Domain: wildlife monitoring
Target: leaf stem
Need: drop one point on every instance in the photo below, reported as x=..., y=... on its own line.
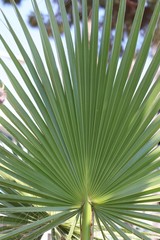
x=87, y=222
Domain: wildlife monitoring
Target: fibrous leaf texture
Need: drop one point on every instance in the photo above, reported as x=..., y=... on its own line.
x=85, y=130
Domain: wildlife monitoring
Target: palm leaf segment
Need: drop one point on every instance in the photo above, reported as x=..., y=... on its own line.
x=87, y=130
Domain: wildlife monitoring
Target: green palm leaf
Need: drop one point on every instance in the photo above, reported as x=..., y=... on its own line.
x=87, y=131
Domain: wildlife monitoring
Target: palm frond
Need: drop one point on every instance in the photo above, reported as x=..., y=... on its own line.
x=86, y=130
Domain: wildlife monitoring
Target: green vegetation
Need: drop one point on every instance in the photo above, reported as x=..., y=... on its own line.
x=85, y=147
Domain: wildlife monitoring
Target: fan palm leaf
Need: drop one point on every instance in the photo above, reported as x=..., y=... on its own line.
x=87, y=130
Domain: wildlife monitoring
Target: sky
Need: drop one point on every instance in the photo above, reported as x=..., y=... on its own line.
x=25, y=8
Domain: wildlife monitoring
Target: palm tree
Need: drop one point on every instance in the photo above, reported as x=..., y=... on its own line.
x=87, y=131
